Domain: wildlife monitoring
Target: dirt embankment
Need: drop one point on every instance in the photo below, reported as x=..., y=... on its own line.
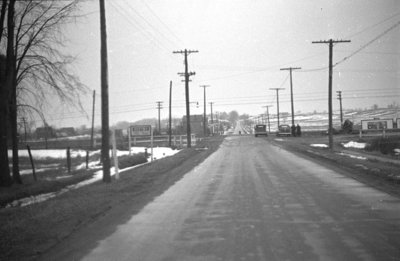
x=28, y=232
x=372, y=168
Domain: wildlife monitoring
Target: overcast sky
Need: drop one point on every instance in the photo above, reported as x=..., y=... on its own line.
x=242, y=46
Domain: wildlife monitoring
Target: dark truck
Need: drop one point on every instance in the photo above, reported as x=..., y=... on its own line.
x=260, y=129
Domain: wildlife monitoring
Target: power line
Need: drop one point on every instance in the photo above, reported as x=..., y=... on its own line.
x=149, y=24
x=368, y=43
x=159, y=19
x=130, y=19
x=374, y=25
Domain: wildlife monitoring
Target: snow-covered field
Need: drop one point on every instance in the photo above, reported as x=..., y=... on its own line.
x=158, y=153
x=319, y=121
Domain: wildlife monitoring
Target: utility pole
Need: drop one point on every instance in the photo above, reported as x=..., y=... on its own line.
x=187, y=74
x=277, y=101
x=269, y=125
x=159, y=107
x=212, y=119
x=204, y=114
x=105, y=131
x=339, y=94
x=92, y=134
x=330, y=42
x=170, y=114
x=290, y=69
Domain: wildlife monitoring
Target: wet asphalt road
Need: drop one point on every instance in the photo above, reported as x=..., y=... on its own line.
x=253, y=201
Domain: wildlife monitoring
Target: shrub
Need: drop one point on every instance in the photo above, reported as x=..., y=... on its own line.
x=129, y=161
x=384, y=145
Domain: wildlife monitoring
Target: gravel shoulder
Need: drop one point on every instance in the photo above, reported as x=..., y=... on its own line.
x=36, y=231
x=372, y=168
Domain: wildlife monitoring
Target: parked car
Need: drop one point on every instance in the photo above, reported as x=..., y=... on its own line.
x=260, y=129
x=284, y=130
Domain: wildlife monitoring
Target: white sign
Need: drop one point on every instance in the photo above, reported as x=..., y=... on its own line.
x=140, y=130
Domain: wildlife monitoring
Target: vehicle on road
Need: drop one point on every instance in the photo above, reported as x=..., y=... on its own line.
x=284, y=130
x=260, y=129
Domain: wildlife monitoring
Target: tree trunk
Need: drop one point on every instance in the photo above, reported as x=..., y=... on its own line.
x=5, y=177
x=14, y=136
x=12, y=88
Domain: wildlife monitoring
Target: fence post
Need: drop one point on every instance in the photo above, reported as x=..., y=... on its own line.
x=69, y=159
x=115, y=156
x=87, y=159
x=33, y=165
x=180, y=141
x=384, y=133
x=129, y=140
x=360, y=133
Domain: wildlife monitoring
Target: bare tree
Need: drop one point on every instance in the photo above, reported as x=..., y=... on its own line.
x=37, y=70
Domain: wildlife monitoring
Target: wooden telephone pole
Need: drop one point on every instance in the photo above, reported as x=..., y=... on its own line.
x=170, y=114
x=187, y=74
x=290, y=69
x=105, y=132
x=330, y=42
x=277, y=101
x=269, y=125
x=339, y=94
x=159, y=107
x=204, y=114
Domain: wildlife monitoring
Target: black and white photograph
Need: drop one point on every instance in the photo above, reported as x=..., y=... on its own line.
x=199, y=130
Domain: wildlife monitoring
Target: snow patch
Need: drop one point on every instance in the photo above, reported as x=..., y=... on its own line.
x=54, y=154
x=319, y=145
x=353, y=144
x=352, y=156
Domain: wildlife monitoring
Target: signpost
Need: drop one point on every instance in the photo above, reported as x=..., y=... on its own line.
x=141, y=130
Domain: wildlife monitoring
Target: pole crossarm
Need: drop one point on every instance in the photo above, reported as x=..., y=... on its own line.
x=290, y=68
x=330, y=41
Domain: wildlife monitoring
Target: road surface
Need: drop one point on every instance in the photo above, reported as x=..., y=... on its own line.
x=253, y=201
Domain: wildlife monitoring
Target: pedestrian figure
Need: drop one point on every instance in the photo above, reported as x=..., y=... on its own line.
x=293, y=131
x=298, y=130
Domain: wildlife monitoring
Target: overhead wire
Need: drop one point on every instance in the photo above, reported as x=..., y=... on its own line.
x=368, y=43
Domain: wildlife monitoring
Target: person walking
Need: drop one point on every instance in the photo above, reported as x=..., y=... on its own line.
x=298, y=130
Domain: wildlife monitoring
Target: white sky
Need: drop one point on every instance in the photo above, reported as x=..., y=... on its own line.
x=242, y=45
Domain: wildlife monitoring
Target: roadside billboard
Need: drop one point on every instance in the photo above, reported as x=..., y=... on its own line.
x=140, y=130
x=377, y=124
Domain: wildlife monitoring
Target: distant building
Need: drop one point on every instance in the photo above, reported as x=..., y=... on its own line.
x=196, y=124
x=45, y=133
x=66, y=132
